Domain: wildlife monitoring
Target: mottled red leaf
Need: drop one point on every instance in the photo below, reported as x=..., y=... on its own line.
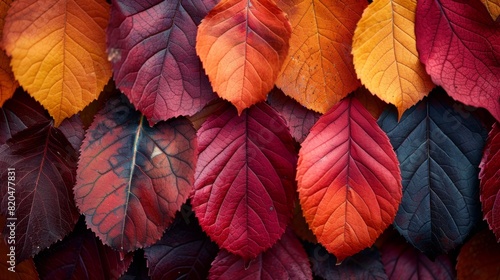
x=18, y=113
x=244, y=187
x=81, y=255
x=490, y=181
x=403, y=261
x=131, y=178
x=299, y=119
x=459, y=43
x=285, y=260
x=478, y=258
x=348, y=179
x=152, y=47
x=363, y=265
x=41, y=187
x=184, y=252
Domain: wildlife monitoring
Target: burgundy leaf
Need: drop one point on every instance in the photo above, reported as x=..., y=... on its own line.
x=81, y=256
x=244, y=186
x=132, y=178
x=41, y=187
x=183, y=252
x=72, y=128
x=285, y=260
x=152, y=48
x=478, y=258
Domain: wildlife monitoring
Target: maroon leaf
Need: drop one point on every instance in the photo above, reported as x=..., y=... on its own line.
x=73, y=130
x=18, y=113
x=298, y=118
x=152, y=48
x=458, y=42
x=490, y=181
x=184, y=252
x=402, y=261
x=244, y=186
x=478, y=258
x=40, y=187
x=285, y=260
x=81, y=256
x=131, y=177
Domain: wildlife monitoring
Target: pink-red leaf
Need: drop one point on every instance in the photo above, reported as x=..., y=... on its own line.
x=45, y=165
x=348, y=178
x=242, y=45
x=478, y=258
x=244, y=188
x=285, y=260
x=131, y=178
x=459, y=44
x=490, y=181
x=152, y=47
x=81, y=255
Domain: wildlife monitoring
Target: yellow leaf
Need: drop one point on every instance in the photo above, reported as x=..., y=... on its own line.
x=7, y=82
x=385, y=53
x=58, y=50
x=318, y=71
x=493, y=7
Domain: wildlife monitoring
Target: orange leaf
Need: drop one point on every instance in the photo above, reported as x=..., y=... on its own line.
x=385, y=53
x=493, y=7
x=318, y=71
x=8, y=83
x=242, y=45
x=58, y=51
x=4, y=7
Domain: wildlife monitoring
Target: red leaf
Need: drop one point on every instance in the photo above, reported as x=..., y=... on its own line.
x=478, y=258
x=348, y=178
x=298, y=118
x=45, y=164
x=244, y=188
x=18, y=113
x=490, y=181
x=184, y=252
x=402, y=261
x=285, y=260
x=81, y=256
x=132, y=178
x=152, y=47
x=458, y=42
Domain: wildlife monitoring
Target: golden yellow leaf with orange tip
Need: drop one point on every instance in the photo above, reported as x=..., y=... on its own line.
x=385, y=53
x=318, y=71
x=493, y=7
x=8, y=83
x=58, y=51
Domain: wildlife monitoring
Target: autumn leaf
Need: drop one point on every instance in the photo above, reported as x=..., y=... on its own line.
x=348, y=179
x=318, y=71
x=140, y=174
x=58, y=51
x=493, y=7
x=478, y=258
x=152, y=48
x=490, y=181
x=244, y=187
x=44, y=164
x=458, y=42
x=371, y=102
x=439, y=148
x=385, y=53
x=242, y=45
x=4, y=7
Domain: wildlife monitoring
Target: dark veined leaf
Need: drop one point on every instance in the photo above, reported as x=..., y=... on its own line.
x=403, y=261
x=478, y=258
x=439, y=147
x=244, y=187
x=348, y=179
x=184, y=252
x=138, y=269
x=81, y=255
x=457, y=40
x=363, y=265
x=42, y=173
x=132, y=178
x=490, y=181
x=152, y=47
x=285, y=260
x=72, y=128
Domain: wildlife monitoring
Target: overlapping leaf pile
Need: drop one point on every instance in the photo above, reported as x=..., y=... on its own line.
x=250, y=138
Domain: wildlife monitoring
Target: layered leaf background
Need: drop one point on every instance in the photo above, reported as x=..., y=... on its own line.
x=252, y=139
